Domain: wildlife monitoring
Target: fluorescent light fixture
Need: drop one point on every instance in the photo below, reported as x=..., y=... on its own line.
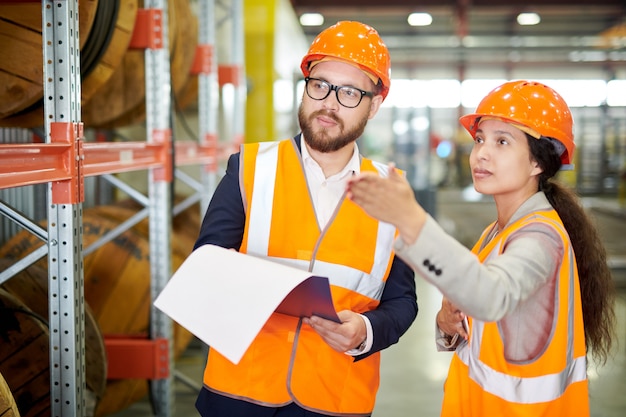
x=407, y=93
x=616, y=93
x=473, y=91
x=420, y=19
x=442, y=93
x=400, y=127
x=528, y=19
x=311, y=19
x=420, y=123
x=580, y=93
x=450, y=94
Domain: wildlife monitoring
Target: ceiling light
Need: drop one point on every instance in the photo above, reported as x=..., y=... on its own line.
x=528, y=19
x=420, y=19
x=311, y=19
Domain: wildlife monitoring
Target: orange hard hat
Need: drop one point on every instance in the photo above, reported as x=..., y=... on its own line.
x=355, y=43
x=533, y=107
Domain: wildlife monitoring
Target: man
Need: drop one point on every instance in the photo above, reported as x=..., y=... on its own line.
x=285, y=201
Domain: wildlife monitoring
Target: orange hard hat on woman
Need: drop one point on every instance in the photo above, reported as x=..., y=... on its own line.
x=533, y=107
x=355, y=43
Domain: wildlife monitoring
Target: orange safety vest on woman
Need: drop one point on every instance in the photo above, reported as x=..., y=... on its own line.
x=482, y=383
x=288, y=361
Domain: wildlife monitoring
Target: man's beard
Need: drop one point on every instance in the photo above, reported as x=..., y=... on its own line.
x=320, y=140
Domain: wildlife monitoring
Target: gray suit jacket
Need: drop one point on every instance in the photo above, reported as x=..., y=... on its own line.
x=515, y=288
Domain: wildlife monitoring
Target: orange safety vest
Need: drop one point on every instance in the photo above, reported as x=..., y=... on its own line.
x=482, y=383
x=288, y=361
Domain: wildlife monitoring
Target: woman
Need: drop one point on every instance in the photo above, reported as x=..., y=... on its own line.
x=536, y=287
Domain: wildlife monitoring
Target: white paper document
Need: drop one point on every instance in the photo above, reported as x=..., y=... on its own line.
x=224, y=297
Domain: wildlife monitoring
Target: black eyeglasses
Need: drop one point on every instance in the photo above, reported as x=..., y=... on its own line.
x=349, y=97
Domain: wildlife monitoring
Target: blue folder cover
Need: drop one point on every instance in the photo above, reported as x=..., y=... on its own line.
x=310, y=297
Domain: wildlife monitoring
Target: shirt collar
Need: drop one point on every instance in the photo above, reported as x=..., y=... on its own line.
x=352, y=167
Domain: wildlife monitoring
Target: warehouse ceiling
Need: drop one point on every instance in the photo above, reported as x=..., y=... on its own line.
x=482, y=33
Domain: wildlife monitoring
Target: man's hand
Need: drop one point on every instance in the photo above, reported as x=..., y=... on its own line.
x=341, y=337
x=450, y=319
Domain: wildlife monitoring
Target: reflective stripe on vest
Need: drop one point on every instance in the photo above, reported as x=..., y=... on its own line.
x=528, y=390
x=368, y=284
x=263, y=196
x=343, y=276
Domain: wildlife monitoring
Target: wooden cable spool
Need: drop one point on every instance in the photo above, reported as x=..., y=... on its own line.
x=30, y=286
x=8, y=408
x=105, y=30
x=117, y=283
x=25, y=356
x=21, y=52
x=121, y=100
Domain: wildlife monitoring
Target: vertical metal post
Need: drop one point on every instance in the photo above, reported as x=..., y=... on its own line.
x=239, y=60
x=158, y=110
x=208, y=99
x=603, y=156
x=61, y=63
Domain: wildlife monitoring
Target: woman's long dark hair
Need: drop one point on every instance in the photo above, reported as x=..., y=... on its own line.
x=597, y=289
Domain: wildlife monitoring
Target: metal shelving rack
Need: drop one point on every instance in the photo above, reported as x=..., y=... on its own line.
x=64, y=160
x=61, y=56
x=158, y=131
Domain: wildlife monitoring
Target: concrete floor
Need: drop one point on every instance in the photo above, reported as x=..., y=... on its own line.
x=412, y=371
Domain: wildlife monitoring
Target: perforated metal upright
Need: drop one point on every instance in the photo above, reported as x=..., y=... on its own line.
x=208, y=96
x=61, y=62
x=238, y=54
x=158, y=130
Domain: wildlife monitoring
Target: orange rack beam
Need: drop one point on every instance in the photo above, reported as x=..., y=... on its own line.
x=114, y=157
x=27, y=164
x=190, y=153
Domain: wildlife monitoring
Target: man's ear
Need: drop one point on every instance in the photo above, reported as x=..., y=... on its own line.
x=375, y=104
